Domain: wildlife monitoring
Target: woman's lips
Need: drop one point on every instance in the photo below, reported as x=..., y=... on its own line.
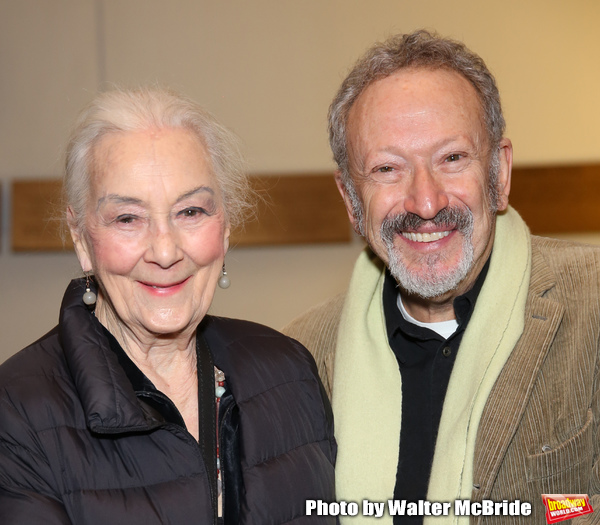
x=164, y=289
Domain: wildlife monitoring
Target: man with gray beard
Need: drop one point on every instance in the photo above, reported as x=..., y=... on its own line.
x=438, y=283
x=463, y=360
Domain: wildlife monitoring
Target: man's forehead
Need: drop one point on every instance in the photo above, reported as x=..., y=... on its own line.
x=404, y=96
x=409, y=84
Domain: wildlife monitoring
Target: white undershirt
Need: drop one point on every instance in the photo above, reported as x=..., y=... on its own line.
x=443, y=328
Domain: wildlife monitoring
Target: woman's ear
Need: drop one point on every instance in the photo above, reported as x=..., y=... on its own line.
x=226, y=239
x=79, y=242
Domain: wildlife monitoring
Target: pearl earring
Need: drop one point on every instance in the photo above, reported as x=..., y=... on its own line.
x=89, y=297
x=224, y=281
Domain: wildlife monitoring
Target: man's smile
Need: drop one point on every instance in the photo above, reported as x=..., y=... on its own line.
x=426, y=237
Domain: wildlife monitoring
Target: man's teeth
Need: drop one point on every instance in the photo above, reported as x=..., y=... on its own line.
x=426, y=237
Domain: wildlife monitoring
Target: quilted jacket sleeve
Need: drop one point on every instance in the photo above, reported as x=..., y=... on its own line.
x=18, y=506
x=25, y=475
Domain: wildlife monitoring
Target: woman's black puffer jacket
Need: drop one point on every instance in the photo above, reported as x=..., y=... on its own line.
x=77, y=446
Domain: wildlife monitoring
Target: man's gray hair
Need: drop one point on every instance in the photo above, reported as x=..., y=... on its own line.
x=131, y=110
x=420, y=49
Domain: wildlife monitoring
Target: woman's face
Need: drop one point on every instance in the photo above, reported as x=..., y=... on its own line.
x=155, y=232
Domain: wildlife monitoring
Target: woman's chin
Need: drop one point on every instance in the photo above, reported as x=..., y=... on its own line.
x=165, y=325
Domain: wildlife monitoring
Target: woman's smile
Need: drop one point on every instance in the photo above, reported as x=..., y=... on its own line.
x=164, y=289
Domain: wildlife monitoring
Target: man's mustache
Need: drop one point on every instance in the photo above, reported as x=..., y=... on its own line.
x=452, y=217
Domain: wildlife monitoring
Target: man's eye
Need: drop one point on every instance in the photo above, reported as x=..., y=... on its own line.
x=454, y=157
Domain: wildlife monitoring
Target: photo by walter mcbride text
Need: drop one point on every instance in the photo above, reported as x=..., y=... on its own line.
x=418, y=508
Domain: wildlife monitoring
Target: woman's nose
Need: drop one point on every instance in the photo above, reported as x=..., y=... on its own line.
x=164, y=247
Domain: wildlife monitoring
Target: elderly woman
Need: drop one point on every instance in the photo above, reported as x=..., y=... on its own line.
x=139, y=407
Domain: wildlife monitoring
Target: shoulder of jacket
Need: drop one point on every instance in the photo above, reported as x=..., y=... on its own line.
x=562, y=248
x=566, y=256
x=232, y=330
x=563, y=269
x=232, y=340
x=319, y=325
x=43, y=358
x=317, y=329
x=35, y=387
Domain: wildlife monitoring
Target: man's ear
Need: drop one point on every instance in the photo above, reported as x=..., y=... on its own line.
x=79, y=242
x=347, y=200
x=505, y=156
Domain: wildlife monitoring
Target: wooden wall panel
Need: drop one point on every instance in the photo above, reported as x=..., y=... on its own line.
x=300, y=209
x=558, y=199
x=36, y=214
x=296, y=209
x=293, y=209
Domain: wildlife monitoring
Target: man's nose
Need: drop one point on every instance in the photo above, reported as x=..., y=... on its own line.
x=425, y=196
x=164, y=246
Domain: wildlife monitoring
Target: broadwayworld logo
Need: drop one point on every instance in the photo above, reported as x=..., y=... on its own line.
x=561, y=507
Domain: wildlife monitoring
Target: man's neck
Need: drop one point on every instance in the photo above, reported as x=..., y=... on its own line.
x=428, y=310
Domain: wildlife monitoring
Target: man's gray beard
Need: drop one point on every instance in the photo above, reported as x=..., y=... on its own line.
x=438, y=283
x=432, y=282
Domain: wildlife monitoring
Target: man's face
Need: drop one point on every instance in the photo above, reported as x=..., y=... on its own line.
x=420, y=161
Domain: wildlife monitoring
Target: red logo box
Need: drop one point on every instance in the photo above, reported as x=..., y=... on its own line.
x=560, y=507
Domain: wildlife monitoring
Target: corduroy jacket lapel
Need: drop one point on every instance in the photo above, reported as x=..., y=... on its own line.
x=508, y=399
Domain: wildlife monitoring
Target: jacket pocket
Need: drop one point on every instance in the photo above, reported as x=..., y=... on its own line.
x=576, y=453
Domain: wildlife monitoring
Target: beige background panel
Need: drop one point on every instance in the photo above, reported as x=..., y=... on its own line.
x=266, y=68
x=49, y=71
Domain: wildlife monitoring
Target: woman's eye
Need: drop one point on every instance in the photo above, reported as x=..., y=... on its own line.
x=454, y=157
x=125, y=219
x=191, y=212
x=385, y=169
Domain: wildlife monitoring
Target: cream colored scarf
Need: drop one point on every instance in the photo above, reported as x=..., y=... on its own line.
x=367, y=389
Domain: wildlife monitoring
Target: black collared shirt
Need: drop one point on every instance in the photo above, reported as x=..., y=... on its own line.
x=425, y=360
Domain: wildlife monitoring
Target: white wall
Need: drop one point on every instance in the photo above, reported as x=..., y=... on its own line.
x=268, y=69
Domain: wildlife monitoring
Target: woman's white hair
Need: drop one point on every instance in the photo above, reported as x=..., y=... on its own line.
x=130, y=110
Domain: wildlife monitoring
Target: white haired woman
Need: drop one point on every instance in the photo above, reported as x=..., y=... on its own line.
x=138, y=407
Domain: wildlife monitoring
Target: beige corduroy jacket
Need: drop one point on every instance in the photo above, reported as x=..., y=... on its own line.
x=540, y=429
